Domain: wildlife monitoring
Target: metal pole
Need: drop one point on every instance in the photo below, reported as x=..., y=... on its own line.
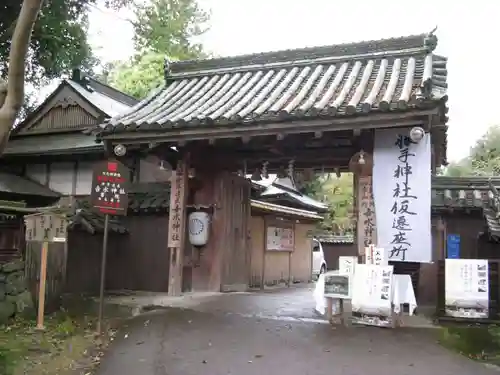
x=103, y=273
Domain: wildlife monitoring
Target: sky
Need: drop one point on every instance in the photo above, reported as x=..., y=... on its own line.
x=467, y=31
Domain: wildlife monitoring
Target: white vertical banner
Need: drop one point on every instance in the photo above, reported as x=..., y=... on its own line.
x=379, y=257
x=402, y=195
x=369, y=250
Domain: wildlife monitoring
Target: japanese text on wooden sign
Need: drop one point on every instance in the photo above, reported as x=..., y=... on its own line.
x=109, y=192
x=177, y=193
x=46, y=227
x=366, y=214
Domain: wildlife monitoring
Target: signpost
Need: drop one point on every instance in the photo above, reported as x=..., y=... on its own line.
x=45, y=228
x=109, y=196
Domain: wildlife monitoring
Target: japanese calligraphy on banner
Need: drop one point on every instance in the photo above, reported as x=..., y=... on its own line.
x=467, y=288
x=109, y=192
x=177, y=207
x=402, y=195
x=366, y=214
x=347, y=264
x=372, y=294
x=279, y=239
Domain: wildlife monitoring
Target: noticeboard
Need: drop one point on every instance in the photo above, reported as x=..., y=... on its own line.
x=110, y=183
x=46, y=227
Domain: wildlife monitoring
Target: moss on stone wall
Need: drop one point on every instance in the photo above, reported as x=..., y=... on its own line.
x=15, y=298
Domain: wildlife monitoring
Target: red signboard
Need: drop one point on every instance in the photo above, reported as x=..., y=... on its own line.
x=110, y=183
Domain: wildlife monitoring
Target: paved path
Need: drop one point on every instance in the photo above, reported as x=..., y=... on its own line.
x=272, y=333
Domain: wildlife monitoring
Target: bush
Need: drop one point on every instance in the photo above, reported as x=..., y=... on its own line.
x=474, y=342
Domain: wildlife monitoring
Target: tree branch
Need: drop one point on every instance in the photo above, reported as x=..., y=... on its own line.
x=3, y=92
x=13, y=99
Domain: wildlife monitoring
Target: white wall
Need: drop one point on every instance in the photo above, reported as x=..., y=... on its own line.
x=61, y=177
x=37, y=172
x=84, y=178
x=150, y=171
x=64, y=178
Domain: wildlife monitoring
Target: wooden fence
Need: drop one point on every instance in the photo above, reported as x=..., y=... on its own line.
x=56, y=271
x=494, y=295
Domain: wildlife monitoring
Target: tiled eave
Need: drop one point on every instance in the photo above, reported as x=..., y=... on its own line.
x=462, y=193
x=493, y=222
x=283, y=210
x=328, y=87
x=336, y=239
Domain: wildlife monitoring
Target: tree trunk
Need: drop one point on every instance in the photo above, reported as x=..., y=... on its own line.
x=12, y=90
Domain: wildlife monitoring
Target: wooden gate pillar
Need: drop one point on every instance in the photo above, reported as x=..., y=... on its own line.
x=177, y=225
x=361, y=165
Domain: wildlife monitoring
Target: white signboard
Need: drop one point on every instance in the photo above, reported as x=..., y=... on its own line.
x=320, y=299
x=379, y=258
x=466, y=288
x=402, y=195
x=347, y=264
x=337, y=285
x=371, y=295
x=375, y=255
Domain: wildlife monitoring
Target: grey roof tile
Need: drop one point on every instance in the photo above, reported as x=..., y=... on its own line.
x=273, y=191
x=105, y=103
x=342, y=80
x=462, y=192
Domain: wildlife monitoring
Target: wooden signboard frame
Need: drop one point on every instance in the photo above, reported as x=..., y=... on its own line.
x=45, y=227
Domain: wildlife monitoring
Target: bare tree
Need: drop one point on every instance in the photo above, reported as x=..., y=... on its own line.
x=12, y=89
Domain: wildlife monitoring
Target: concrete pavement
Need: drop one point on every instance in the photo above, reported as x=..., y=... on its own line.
x=272, y=333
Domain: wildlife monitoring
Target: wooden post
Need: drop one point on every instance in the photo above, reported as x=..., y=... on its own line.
x=289, y=269
x=177, y=225
x=343, y=320
x=41, y=290
x=329, y=309
x=264, y=253
x=363, y=198
x=102, y=284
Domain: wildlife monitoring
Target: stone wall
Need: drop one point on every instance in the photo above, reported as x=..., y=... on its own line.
x=15, y=298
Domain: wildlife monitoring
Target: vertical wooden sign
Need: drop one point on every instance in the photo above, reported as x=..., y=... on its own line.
x=367, y=233
x=177, y=225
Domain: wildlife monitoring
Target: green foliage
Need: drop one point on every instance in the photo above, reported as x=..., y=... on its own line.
x=164, y=29
x=337, y=193
x=475, y=342
x=483, y=159
x=139, y=76
x=59, y=40
x=169, y=27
